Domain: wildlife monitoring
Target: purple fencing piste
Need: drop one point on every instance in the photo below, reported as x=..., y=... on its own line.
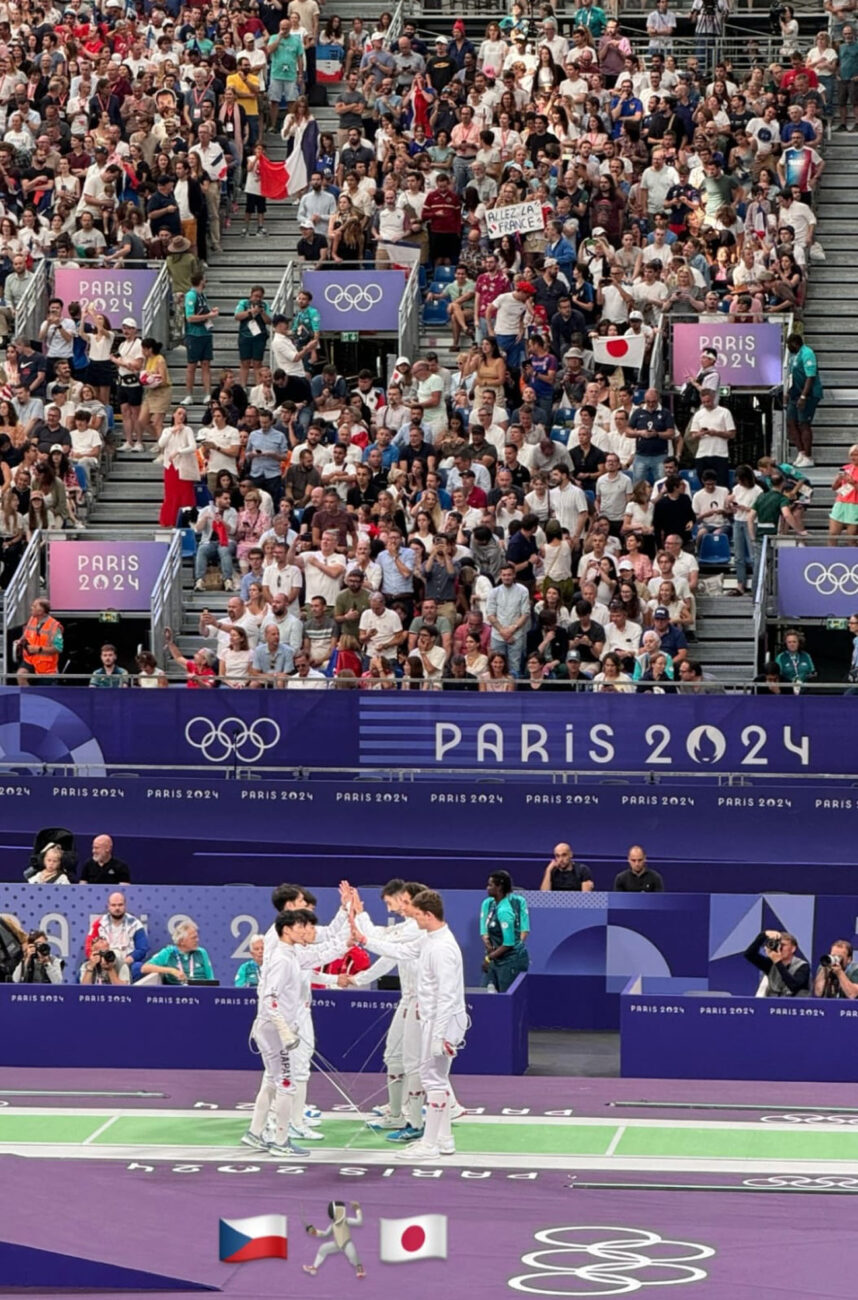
x=117, y=293
x=749, y=356
x=103, y=575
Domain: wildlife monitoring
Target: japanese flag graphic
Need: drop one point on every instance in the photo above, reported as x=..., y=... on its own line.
x=423, y=1237
x=620, y=350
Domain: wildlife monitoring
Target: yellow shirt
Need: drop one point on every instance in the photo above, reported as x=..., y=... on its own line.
x=246, y=91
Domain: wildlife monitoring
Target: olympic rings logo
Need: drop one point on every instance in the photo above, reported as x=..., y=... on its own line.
x=804, y=1183
x=832, y=579
x=232, y=738
x=353, y=297
x=810, y=1119
x=608, y=1267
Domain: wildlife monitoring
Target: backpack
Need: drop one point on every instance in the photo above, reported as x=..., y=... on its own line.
x=11, y=953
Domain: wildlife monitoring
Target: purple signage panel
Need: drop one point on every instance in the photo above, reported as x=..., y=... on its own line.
x=103, y=575
x=435, y=730
x=815, y=582
x=749, y=356
x=733, y=1038
x=356, y=300
x=117, y=294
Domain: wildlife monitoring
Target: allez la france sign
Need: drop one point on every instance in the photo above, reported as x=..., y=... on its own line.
x=749, y=356
x=103, y=575
x=517, y=219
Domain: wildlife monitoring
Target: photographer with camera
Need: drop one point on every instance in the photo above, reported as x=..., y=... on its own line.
x=836, y=977
x=37, y=964
x=102, y=966
x=787, y=974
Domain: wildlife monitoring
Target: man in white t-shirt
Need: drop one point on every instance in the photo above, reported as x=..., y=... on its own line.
x=685, y=569
x=223, y=444
x=765, y=133
x=568, y=504
x=86, y=443
x=614, y=298
x=430, y=396
x=791, y=212
x=505, y=322
x=380, y=629
x=708, y=505
x=237, y=615
x=655, y=182
x=431, y=654
x=282, y=578
x=613, y=489
x=340, y=472
x=622, y=637
x=324, y=571
x=713, y=426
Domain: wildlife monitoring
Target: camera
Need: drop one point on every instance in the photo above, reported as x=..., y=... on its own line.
x=108, y=956
x=43, y=949
x=829, y=959
x=771, y=944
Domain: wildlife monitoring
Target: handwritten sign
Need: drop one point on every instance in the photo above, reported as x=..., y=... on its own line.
x=517, y=219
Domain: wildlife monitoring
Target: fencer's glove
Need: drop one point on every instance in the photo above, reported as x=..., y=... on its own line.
x=289, y=1039
x=439, y=1047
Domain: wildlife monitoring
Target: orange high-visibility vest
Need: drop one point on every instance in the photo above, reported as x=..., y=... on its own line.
x=42, y=635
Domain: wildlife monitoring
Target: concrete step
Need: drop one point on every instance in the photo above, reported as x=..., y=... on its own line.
x=118, y=492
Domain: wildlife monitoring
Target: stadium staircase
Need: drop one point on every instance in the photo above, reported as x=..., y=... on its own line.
x=831, y=322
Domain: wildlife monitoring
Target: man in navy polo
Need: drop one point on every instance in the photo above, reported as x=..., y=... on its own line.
x=673, y=640
x=652, y=426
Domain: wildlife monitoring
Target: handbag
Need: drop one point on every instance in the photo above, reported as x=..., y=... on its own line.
x=212, y=580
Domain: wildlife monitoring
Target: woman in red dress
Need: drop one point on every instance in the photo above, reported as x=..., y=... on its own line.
x=178, y=447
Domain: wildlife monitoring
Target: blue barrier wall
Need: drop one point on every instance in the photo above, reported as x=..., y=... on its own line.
x=583, y=947
x=213, y=831
x=738, y=1038
x=208, y=1028
x=597, y=733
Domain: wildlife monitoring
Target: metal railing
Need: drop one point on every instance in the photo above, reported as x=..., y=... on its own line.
x=709, y=686
x=761, y=588
x=33, y=305
x=283, y=303
x=165, y=604
x=409, y=314
x=394, y=31
x=157, y=309
x=20, y=594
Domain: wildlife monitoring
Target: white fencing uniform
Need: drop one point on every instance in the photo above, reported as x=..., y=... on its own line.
x=278, y=1002
x=443, y=1022
x=331, y=942
x=341, y=1239
x=399, y=945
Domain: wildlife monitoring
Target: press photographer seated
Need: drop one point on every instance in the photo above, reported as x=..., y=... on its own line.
x=103, y=966
x=787, y=974
x=37, y=964
x=836, y=976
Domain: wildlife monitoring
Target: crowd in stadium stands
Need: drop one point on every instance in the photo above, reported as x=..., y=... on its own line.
x=526, y=518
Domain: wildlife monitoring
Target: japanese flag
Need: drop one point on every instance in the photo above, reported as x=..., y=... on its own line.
x=424, y=1237
x=620, y=350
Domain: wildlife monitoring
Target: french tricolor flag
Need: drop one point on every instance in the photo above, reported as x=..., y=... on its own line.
x=262, y=1237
